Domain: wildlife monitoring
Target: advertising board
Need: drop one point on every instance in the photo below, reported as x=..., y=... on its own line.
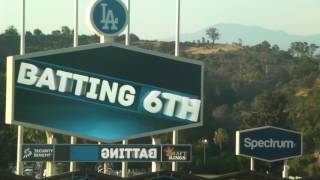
x=269, y=143
x=106, y=153
x=104, y=92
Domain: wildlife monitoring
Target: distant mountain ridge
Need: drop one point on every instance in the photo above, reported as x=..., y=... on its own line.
x=251, y=35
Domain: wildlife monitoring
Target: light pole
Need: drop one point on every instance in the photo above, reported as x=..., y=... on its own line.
x=204, y=142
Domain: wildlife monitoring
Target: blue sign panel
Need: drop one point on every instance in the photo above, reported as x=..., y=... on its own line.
x=104, y=92
x=269, y=143
x=108, y=17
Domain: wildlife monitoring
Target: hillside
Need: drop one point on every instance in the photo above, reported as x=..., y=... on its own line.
x=209, y=49
x=250, y=35
x=244, y=87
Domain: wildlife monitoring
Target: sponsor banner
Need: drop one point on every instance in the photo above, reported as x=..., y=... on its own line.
x=114, y=92
x=269, y=143
x=39, y=152
x=176, y=153
x=111, y=153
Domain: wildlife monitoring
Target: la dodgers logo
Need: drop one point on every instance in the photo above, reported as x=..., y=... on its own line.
x=108, y=18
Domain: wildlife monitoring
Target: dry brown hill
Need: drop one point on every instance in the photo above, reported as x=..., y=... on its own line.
x=208, y=49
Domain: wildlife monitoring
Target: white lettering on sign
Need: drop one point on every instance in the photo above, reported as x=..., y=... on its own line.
x=180, y=155
x=172, y=105
x=81, y=85
x=268, y=143
x=28, y=74
x=107, y=91
x=107, y=18
x=129, y=153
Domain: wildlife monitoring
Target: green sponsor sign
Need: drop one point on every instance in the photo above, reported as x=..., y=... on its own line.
x=104, y=92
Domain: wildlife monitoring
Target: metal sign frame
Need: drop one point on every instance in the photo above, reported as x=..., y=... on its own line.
x=266, y=127
x=10, y=89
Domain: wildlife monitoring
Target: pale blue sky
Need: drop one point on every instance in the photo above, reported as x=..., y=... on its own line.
x=154, y=19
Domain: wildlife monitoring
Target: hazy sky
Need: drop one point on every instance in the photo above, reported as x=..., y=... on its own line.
x=154, y=19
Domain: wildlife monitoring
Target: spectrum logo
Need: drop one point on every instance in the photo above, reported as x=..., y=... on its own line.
x=268, y=143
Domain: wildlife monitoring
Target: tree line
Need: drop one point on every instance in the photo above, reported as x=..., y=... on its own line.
x=253, y=86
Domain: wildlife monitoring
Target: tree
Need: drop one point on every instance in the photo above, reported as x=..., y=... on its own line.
x=213, y=34
x=56, y=33
x=203, y=40
x=65, y=30
x=312, y=49
x=28, y=34
x=302, y=49
x=268, y=109
x=37, y=32
x=11, y=31
x=220, y=137
x=121, y=38
x=275, y=48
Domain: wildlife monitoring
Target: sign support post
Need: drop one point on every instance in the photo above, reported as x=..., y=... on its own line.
x=19, y=170
x=106, y=39
x=128, y=25
x=73, y=139
x=23, y=25
x=19, y=165
x=285, y=172
x=124, y=164
x=155, y=166
x=104, y=164
x=175, y=134
x=177, y=43
x=73, y=166
x=76, y=24
x=175, y=137
x=251, y=164
x=49, y=164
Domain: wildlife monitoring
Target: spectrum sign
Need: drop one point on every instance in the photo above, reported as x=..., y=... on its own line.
x=269, y=143
x=104, y=92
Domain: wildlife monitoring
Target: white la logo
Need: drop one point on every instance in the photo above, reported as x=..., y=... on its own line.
x=108, y=18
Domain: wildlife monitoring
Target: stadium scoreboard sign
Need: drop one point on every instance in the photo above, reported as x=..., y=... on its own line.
x=104, y=92
x=269, y=143
x=106, y=153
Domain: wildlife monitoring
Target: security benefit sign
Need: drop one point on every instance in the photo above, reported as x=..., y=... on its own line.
x=104, y=92
x=269, y=143
x=106, y=153
x=40, y=152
